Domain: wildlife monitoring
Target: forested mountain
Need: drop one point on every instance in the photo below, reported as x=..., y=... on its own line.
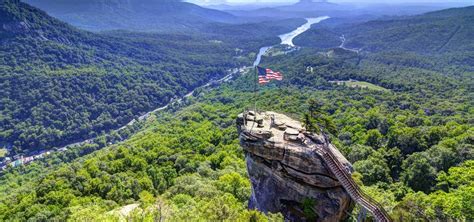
x=411, y=145
x=439, y=40
x=347, y=10
x=403, y=116
x=312, y=5
x=143, y=15
x=301, y=9
x=60, y=84
x=447, y=32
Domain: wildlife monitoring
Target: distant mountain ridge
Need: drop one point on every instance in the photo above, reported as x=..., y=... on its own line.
x=306, y=5
x=449, y=30
x=141, y=15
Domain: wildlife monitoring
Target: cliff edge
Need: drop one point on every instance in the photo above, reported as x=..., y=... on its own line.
x=287, y=175
x=298, y=173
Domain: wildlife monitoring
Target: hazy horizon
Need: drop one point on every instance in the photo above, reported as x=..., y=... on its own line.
x=356, y=2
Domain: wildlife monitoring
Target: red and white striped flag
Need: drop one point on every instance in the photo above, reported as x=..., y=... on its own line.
x=265, y=75
x=262, y=79
x=274, y=75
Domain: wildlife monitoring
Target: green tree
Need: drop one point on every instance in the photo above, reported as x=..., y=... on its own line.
x=359, y=152
x=308, y=205
x=374, y=138
x=146, y=198
x=235, y=184
x=315, y=120
x=418, y=173
x=407, y=139
x=374, y=169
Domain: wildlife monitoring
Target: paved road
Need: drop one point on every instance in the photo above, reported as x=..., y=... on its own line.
x=286, y=39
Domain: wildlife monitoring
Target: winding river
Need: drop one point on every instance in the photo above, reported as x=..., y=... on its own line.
x=286, y=39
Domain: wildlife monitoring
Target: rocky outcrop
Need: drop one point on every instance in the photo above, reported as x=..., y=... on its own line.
x=16, y=27
x=18, y=19
x=287, y=170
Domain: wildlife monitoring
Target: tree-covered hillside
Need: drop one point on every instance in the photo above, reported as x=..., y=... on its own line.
x=138, y=15
x=403, y=118
x=436, y=32
x=60, y=84
x=406, y=148
x=446, y=35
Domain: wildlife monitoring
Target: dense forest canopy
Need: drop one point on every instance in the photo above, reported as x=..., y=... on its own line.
x=402, y=115
x=406, y=149
x=441, y=39
x=436, y=32
x=60, y=84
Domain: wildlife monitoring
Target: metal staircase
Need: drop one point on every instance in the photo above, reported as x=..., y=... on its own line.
x=352, y=188
x=345, y=178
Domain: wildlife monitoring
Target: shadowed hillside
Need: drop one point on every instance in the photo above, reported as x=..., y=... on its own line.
x=60, y=84
x=156, y=15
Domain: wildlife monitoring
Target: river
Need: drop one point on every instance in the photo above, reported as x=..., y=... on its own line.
x=286, y=39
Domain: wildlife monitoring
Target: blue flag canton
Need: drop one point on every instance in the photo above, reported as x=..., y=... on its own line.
x=261, y=71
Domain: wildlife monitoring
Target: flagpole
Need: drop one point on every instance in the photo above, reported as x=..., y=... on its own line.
x=255, y=89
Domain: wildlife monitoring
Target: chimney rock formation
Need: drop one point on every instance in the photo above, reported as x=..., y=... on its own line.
x=298, y=173
x=287, y=173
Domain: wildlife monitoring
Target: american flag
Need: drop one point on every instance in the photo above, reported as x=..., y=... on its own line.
x=262, y=79
x=265, y=75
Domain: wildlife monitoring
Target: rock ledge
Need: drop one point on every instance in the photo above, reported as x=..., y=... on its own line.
x=287, y=170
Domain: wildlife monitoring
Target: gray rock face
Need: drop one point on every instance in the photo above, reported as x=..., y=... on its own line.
x=16, y=27
x=287, y=174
